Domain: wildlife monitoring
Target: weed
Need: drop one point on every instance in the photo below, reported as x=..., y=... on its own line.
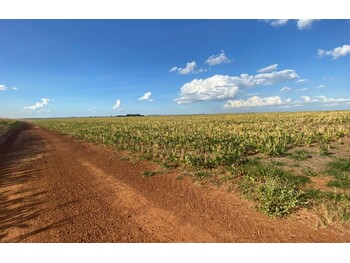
x=148, y=173
x=330, y=206
x=277, y=163
x=179, y=177
x=311, y=173
x=340, y=170
x=324, y=150
x=276, y=191
x=300, y=155
x=201, y=175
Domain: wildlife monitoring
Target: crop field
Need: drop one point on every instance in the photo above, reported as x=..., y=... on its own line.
x=6, y=125
x=281, y=161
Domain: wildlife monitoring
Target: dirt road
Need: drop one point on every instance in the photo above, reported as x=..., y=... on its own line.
x=56, y=189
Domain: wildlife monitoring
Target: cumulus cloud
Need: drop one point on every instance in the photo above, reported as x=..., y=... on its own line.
x=221, y=87
x=321, y=86
x=304, y=24
x=257, y=101
x=336, y=52
x=301, y=80
x=38, y=106
x=286, y=89
x=146, y=96
x=117, y=104
x=189, y=69
x=275, y=77
x=276, y=22
x=217, y=59
x=268, y=68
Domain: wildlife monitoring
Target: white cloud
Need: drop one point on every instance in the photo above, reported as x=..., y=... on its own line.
x=332, y=100
x=217, y=59
x=336, y=52
x=321, y=86
x=277, y=101
x=325, y=100
x=257, y=101
x=38, y=106
x=286, y=89
x=217, y=87
x=3, y=87
x=117, y=104
x=189, y=69
x=301, y=80
x=304, y=24
x=221, y=87
x=275, y=77
x=92, y=110
x=276, y=22
x=268, y=68
x=146, y=96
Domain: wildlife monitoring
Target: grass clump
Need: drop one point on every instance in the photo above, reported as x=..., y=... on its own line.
x=340, y=170
x=148, y=173
x=300, y=155
x=201, y=175
x=331, y=206
x=277, y=192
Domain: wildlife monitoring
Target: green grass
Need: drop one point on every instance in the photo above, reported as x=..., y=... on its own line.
x=148, y=173
x=201, y=175
x=309, y=172
x=340, y=170
x=301, y=155
x=276, y=191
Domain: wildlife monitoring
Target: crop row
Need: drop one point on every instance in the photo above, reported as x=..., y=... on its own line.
x=209, y=140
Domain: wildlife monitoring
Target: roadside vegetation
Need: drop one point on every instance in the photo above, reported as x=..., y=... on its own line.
x=6, y=125
x=278, y=160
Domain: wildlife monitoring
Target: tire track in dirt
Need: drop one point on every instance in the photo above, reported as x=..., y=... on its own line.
x=56, y=189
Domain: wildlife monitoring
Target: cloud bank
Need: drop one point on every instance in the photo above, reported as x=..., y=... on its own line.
x=221, y=87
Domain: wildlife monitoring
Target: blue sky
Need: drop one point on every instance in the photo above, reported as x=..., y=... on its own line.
x=57, y=68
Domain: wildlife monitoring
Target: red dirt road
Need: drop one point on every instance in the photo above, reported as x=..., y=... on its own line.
x=55, y=189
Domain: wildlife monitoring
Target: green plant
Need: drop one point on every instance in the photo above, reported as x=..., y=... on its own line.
x=340, y=170
x=324, y=149
x=279, y=198
x=201, y=175
x=300, y=155
x=148, y=173
x=311, y=173
x=276, y=191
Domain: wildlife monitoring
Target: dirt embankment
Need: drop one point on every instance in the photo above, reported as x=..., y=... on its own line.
x=55, y=189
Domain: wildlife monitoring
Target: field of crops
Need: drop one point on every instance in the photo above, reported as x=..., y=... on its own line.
x=210, y=142
x=6, y=125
